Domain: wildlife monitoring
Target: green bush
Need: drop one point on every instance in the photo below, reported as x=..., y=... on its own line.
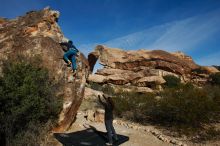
x=95, y=86
x=183, y=107
x=26, y=97
x=171, y=81
x=133, y=106
x=108, y=89
x=187, y=105
x=215, y=78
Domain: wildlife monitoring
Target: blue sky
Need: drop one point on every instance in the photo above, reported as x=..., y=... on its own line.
x=191, y=26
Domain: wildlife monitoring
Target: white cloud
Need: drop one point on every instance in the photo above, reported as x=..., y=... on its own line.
x=188, y=33
x=178, y=35
x=183, y=35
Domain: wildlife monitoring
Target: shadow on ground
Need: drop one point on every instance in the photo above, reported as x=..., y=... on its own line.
x=87, y=137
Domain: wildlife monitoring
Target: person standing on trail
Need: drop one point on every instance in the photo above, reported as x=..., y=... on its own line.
x=109, y=107
x=70, y=54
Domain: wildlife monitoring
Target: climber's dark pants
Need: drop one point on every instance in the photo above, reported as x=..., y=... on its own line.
x=110, y=130
x=71, y=53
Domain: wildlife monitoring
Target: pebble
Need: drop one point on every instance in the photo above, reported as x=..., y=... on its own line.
x=173, y=141
x=147, y=130
x=135, y=128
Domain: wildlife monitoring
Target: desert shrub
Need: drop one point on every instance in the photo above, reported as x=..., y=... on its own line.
x=211, y=133
x=171, y=81
x=90, y=104
x=108, y=89
x=215, y=78
x=187, y=105
x=95, y=86
x=133, y=106
x=26, y=98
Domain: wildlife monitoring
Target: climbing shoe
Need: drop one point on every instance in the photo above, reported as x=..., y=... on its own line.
x=108, y=144
x=74, y=72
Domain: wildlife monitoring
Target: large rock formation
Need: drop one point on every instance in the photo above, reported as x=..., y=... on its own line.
x=38, y=34
x=144, y=68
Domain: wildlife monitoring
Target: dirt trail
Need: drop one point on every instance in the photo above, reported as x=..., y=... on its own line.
x=136, y=137
x=79, y=132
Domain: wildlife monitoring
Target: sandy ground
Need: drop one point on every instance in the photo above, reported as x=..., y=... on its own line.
x=136, y=137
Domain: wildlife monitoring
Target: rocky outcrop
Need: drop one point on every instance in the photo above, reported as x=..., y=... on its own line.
x=91, y=94
x=144, y=68
x=128, y=60
x=150, y=81
x=38, y=34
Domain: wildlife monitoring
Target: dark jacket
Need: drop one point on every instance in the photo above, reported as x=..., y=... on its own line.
x=68, y=46
x=109, y=107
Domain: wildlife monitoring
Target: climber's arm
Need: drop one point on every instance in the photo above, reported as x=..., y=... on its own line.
x=64, y=44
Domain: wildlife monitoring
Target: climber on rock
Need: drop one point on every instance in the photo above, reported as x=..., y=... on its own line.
x=70, y=54
x=109, y=107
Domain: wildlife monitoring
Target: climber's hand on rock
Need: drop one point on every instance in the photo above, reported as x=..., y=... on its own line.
x=69, y=62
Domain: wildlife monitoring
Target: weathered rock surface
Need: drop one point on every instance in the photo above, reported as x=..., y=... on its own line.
x=38, y=34
x=127, y=60
x=91, y=94
x=151, y=80
x=144, y=68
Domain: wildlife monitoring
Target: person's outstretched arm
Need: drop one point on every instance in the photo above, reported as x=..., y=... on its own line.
x=101, y=101
x=105, y=97
x=109, y=101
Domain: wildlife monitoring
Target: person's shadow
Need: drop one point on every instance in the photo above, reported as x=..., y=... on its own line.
x=87, y=137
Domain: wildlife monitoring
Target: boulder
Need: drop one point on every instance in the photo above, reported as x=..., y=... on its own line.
x=151, y=80
x=113, y=74
x=90, y=115
x=38, y=34
x=97, y=78
x=131, y=88
x=91, y=94
x=126, y=60
x=145, y=68
x=116, y=79
x=210, y=69
x=143, y=90
x=99, y=115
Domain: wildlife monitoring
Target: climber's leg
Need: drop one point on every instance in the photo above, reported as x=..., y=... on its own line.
x=74, y=66
x=67, y=55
